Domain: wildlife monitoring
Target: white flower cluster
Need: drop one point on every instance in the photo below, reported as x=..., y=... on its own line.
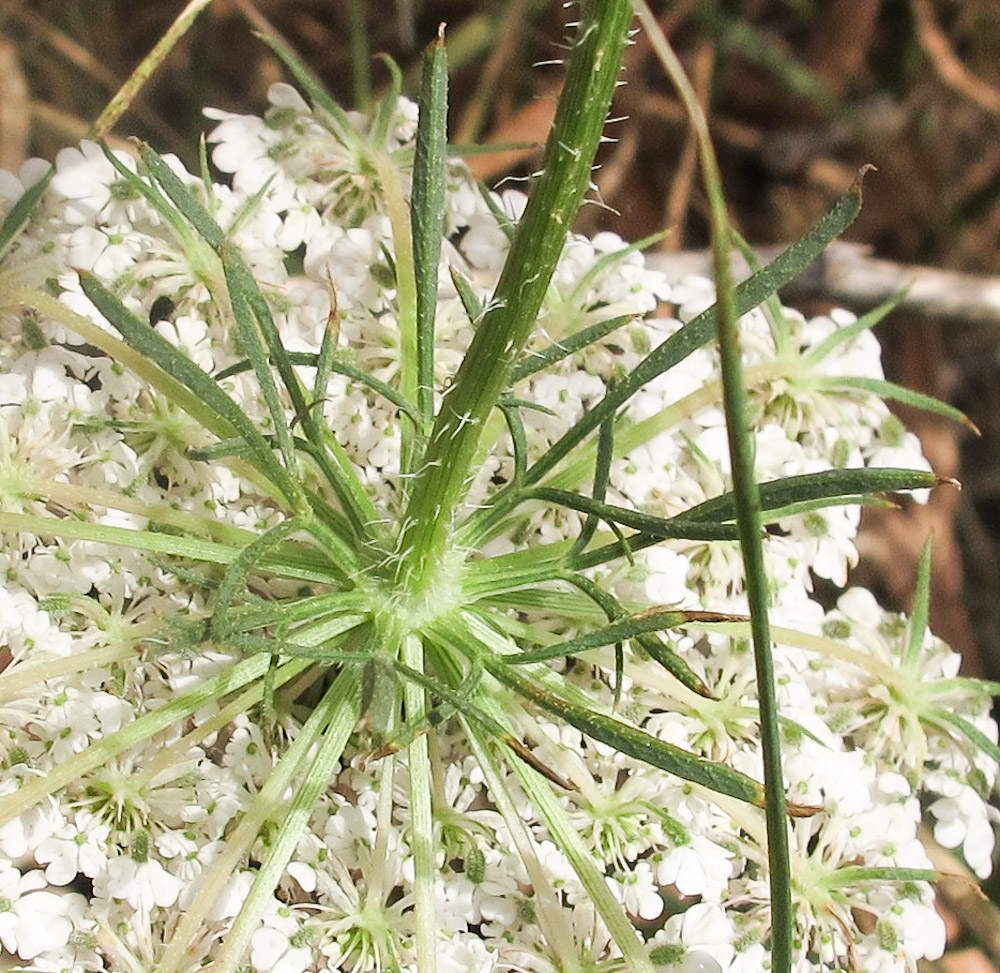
x=97, y=876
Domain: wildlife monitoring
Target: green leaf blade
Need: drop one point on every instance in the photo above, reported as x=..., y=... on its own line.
x=428, y=208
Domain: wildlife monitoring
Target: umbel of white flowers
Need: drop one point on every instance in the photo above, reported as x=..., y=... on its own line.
x=101, y=873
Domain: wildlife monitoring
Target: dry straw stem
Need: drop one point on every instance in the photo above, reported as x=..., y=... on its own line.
x=946, y=63
x=137, y=80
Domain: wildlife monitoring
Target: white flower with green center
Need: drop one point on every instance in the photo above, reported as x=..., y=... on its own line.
x=371, y=561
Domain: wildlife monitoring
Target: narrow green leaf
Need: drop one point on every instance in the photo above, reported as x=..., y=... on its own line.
x=455, y=699
x=566, y=604
x=773, y=311
x=140, y=540
x=631, y=741
x=470, y=302
x=627, y=546
x=205, y=167
x=340, y=367
x=825, y=485
x=142, y=72
x=856, y=874
x=262, y=343
x=433, y=716
x=565, y=347
x=175, y=363
x=385, y=111
x=807, y=506
x=324, y=652
x=507, y=572
x=246, y=618
x=238, y=569
x=609, y=605
x=518, y=437
x=428, y=206
x=248, y=305
x=337, y=119
x=172, y=713
x=290, y=564
x=325, y=734
x=565, y=833
x=609, y=260
x=182, y=198
x=656, y=650
x=682, y=526
x=148, y=190
x=970, y=731
x=250, y=312
x=978, y=686
x=700, y=330
x=849, y=332
x=920, y=616
x=675, y=665
x=602, y=473
x=21, y=212
x=630, y=628
x=897, y=393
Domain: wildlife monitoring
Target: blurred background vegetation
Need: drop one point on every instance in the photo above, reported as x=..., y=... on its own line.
x=799, y=94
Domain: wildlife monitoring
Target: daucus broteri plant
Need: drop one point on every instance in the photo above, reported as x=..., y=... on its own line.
x=373, y=591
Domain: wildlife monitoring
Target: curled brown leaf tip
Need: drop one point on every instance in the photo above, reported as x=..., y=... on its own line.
x=802, y=810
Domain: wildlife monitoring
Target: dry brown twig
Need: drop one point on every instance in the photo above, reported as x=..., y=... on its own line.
x=946, y=63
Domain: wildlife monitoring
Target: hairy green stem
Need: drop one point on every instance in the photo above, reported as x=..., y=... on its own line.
x=443, y=478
